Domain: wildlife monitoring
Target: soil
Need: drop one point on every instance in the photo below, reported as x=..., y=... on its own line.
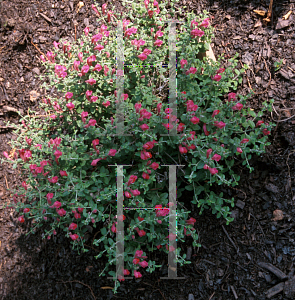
x=229, y=265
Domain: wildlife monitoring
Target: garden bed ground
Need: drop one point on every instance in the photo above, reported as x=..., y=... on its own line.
x=228, y=265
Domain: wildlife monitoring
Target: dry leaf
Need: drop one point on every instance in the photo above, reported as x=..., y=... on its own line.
x=79, y=6
x=260, y=12
x=257, y=24
x=34, y=95
x=287, y=15
x=278, y=215
x=11, y=153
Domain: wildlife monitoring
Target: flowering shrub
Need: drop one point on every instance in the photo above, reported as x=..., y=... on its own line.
x=67, y=158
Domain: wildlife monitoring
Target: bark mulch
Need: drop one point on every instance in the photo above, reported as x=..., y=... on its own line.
x=253, y=257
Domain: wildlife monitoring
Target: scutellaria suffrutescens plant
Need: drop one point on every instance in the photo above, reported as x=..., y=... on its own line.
x=66, y=158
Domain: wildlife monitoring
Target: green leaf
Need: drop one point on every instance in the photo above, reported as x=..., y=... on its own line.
x=103, y=231
x=189, y=187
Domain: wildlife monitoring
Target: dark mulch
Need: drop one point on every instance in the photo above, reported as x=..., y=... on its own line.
x=228, y=266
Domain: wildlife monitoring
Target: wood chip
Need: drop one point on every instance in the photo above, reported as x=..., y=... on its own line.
x=278, y=215
x=260, y=12
x=275, y=290
x=281, y=275
x=287, y=15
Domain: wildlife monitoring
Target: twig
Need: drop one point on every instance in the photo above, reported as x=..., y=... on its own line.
x=45, y=17
x=237, y=248
x=290, y=174
x=39, y=50
x=278, y=121
x=81, y=283
x=2, y=47
x=6, y=182
x=234, y=292
x=269, y=12
x=258, y=224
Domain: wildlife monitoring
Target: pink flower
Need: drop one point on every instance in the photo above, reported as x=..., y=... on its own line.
x=238, y=106
x=231, y=96
x=141, y=233
x=56, y=204
x=215, y=112
x=49, y=196
x=170, y=249
x=126, y=272
x=61, y=212
x=26, y=210
x=68, y=95
x=143, y=264
x=91, y=122
x=90, y=60
x=137, y=274
x=91, y=81
x=106, y=104
x=265, y=131
x=73, y=226
x=195, y=120
x=53, y=179
x=113, y=228
x=86, y=31
x=259, y=123
x=216, y=157
x=205, y=23
x=136, y=261
x=97, y=68
x=55, y=44
x=99, y=47
x=220, y=71
x=70, y=106
x=145, y=176
x=158, y=43
x=239, y=150
x=112, y=152
x=74, y=236
x=196, y=32
x=183, y=62
x=106, y=69
x=209, y=151
x=213, y=171
x=154, y=166
x=95, y=9
x=84, y=70
x=21, y=219
x=244, y=141
x=144, y=127
x=63, y=173
x=217, y=77
x=127, y=194
x=219, y=125
x=144, y=155
x=191, y=221
x=132, y=179
x=77, y=216
x=142, y=56
x=80, y=55
x=182, y=149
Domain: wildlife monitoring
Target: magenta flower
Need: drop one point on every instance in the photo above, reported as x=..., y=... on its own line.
x=74, y=236
x=158, y=43
x=143, y=264
x=70, y=106
x=195, y=120
x=68, y=95
x=205, y=130
x=112, y=152
x=86, y=31
x=142, y=56
x=63, y=173
x=106, y=104
x=135, y=192
x=80, y=55
x=215, y=112
x=137, y=274
x=219, y=125
x=213, y=171
x=97, y=68
x=191, y=221
x=61, y=212
x=91, y=81
x=238, y=106
x=147, y=51
x=144, y=127
x=217, y=77
x=183, y=62
x=216, y=157
x=93, y=99
x=205, y=23
x=209, y=151
x=99, y=47
x=132, y=179
x=73, y=226
x=91, y=122
x=96, y=38
x=56, y=204
x=197, y=32
x=239, y=150
x=105, y=71
x=55, y=44
x=84, y=70
x=53, y=179
x=244, y=141
x=220, y=71
x=90, y=60
x=232, y=96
